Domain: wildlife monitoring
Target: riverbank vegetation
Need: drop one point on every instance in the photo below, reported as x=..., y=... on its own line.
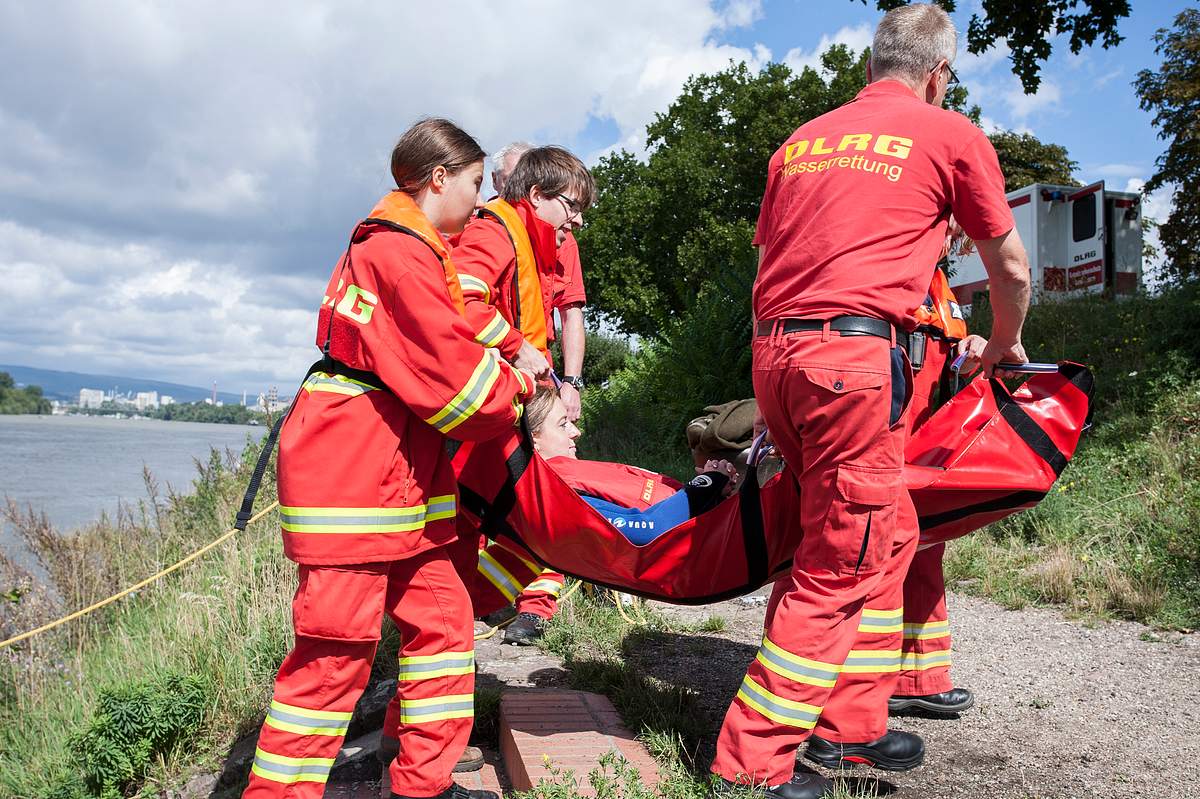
x=161, y=682
x=27, y=399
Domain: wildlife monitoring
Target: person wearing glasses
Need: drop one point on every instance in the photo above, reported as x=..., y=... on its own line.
x=508, y=267
x=852, y=221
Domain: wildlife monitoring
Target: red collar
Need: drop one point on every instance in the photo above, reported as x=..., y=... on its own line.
x=887, y=86
x=542, y=237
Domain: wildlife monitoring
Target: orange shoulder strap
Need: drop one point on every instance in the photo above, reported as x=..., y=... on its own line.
x=945, y=315
x=529, y=311
x=400, y=210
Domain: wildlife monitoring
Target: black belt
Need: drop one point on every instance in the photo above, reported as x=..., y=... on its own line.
x=842, y=325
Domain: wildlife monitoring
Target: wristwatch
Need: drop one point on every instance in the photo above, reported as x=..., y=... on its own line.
x=573, y=380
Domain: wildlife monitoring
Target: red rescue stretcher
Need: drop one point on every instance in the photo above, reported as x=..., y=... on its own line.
x=986, y=454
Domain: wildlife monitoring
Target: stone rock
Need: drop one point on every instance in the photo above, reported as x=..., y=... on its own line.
x=358, y=759
x=368, y=713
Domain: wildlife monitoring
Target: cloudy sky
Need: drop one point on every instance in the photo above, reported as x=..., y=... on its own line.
x=177, y=179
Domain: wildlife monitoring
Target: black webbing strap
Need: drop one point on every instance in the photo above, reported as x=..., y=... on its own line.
x=1027, y=429
x=264, y=457
x=1006, y=502
x=754, y=537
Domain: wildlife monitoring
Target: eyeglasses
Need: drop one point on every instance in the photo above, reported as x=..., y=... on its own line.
x=574, y=207
x=951, y=81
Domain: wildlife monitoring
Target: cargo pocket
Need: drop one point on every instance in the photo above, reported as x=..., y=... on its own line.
x=337, y=603
x=862, y=516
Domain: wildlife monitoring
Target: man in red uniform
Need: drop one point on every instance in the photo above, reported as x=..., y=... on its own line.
x=852, y=219
x=513, y=274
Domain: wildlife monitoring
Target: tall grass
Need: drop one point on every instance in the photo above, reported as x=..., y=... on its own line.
x=222, y=622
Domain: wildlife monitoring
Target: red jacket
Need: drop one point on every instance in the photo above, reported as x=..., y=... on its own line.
x=627, y=486
x=486, y=259
x=363, y=470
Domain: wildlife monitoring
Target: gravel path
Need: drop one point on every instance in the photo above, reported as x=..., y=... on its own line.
x=1063, y=709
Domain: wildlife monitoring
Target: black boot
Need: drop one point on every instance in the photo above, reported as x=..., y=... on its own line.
x=525, y=630
x=456, y=791
x=896, y=751
x=804, y=784
x=947, y=703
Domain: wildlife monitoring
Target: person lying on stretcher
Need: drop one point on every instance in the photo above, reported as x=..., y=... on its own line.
x=639, y=503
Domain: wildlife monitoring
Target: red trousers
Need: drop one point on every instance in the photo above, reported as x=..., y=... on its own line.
x=925, y=657
x=337, y=614
x=497, y=576
x=835, y=407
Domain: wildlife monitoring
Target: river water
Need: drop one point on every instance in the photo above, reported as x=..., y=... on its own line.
x=75, y=467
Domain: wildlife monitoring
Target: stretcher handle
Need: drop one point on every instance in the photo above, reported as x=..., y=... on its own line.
x=758, y=449
x=1023, y=368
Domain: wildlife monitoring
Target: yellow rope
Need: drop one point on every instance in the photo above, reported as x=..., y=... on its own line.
x=635, y=602
x=137, y=586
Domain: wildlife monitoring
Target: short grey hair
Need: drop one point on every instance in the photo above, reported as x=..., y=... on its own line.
x=517, y=148
x=911, y=40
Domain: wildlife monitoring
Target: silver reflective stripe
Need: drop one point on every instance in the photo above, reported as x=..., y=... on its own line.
x=410, y=515
x=797, y=668
x=768, y=702
x=275, y=714
x=310, y=770
x=461, y=661
x=466, y=406
x=442, y=707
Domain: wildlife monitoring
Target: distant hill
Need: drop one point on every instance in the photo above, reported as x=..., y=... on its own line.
x=65, y=386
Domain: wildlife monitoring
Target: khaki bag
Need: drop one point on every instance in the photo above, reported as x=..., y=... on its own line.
x=724, y=431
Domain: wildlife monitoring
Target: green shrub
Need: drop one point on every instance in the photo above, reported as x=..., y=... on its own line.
x=131, y=725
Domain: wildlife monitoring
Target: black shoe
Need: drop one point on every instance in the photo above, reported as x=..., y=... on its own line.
x=525, y=631
x=498, y=617
x=456, y=791
x=896, y=751
x=470, y=760
x=804, y=784
x=947, y=703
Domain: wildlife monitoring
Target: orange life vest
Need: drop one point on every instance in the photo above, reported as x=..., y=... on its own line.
x=400, y=210
x=940, y=314
x=529, y=309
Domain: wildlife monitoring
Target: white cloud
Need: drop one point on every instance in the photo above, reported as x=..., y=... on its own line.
x=1118, y=171
x=178, y=178
x=857, y=38
x=1047, y=97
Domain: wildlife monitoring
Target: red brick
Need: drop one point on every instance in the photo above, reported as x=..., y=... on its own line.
x=571, y=728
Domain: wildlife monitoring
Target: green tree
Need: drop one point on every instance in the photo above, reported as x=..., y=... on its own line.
x=680, y=223
x=1027, y=28
x=1024, y=160
x=1173, y=94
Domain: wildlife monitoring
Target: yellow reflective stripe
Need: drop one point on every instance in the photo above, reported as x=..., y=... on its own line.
x=498, y=576
x=776, y=708
x=303, y=721
x=437, y=708
x=474, y=286
x=336, y=384
x=551, y=587
x=471, y=398
x=495, y=332
x=295, y=519
x=872, y=661
x=923, y=632
x=919, y=661
x=288, y=770
x=446, y=664
x=881, y=621
x=794, y=667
